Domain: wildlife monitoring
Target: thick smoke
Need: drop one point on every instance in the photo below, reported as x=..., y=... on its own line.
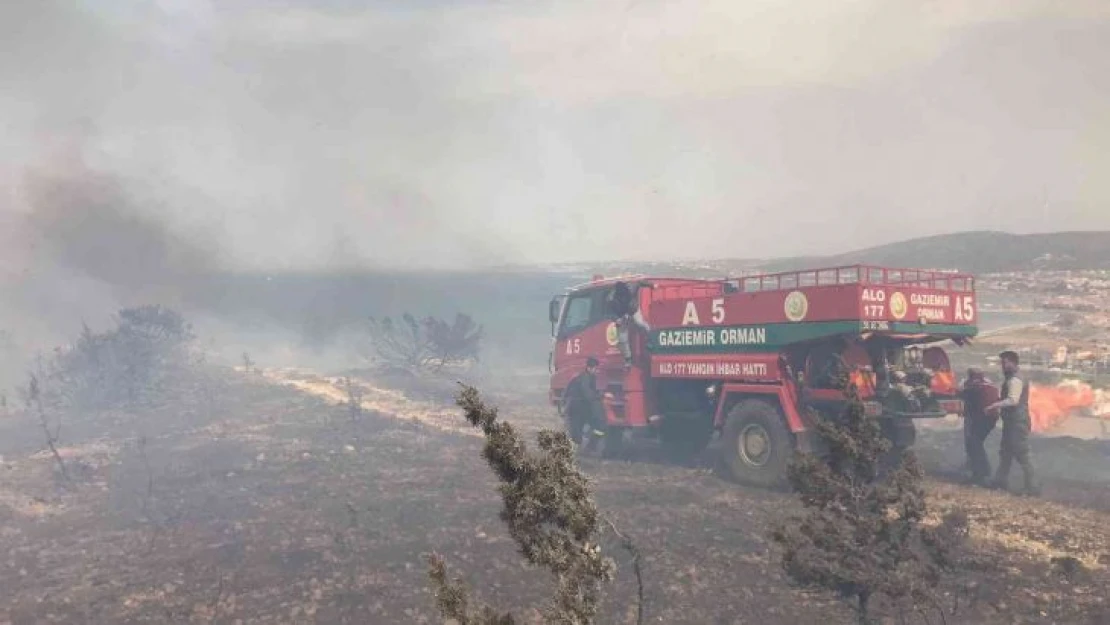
x=296, y=136
x=469, y=134
x=79, y=244
x=89, y=223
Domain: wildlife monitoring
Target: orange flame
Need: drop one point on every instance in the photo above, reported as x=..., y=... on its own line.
x=1049, y=406
x=944, y=383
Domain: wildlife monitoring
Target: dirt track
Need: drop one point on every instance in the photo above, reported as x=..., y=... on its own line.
x=277, y=507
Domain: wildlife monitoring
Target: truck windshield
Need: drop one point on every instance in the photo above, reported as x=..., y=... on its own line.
x=578, y=313
x=583, y=310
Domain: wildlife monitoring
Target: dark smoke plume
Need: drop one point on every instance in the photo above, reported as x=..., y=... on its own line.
x=89, y=223
x=77, y=245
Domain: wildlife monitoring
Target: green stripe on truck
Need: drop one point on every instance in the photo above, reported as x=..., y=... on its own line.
x=771, y=336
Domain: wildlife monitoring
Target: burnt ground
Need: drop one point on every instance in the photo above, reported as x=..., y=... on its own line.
x=253, y=502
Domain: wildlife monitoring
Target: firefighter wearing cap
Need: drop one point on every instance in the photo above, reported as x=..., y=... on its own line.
x=978, y=393
x=1013, y=409
x=582, y=403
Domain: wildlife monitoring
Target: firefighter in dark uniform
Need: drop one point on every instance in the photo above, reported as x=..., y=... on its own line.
x=978, y=392
x=625, y=313
x=1013, y=409
x=583, y=405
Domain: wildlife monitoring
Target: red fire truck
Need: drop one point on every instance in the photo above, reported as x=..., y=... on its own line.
x=755, y=359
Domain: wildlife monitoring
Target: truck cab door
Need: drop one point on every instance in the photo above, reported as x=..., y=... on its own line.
x=582, y=332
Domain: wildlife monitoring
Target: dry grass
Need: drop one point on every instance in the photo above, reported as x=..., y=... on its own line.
x=275, y=508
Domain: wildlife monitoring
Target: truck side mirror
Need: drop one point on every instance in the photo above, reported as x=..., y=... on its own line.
x=554, y=307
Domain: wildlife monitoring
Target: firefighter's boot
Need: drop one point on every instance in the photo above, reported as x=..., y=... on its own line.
x=1031, y=489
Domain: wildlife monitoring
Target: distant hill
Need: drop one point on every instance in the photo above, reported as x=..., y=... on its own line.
x=972, y=252
x=976, y=252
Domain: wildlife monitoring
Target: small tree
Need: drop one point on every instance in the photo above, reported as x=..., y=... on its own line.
x=155, y=325
x=549, y=508
x=453, y=342
x=429, y=344
x=147, y=348
x=398, y=343
x=150, y=344
x=862, y=534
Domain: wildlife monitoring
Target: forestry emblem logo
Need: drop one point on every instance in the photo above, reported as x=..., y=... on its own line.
x=611, y=334
x=796, y=306
x=898, y=305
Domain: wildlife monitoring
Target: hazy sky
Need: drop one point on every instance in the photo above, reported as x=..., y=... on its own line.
x=300, y=132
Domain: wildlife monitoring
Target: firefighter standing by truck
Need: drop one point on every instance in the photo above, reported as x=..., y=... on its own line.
x=625, y=313
x=1013, y=409
x=978, y=393
x=583, y=405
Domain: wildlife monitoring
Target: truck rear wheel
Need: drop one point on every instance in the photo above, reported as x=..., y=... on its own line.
x=757, y=446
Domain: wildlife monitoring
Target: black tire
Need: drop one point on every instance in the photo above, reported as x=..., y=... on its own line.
x=683, y=439
x=756, y=444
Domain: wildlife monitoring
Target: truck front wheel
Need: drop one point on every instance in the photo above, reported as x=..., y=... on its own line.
x=756, y=444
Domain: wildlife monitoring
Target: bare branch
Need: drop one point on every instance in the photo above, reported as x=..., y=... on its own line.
x=631, y=548
x=35, y=403
x=430, y=344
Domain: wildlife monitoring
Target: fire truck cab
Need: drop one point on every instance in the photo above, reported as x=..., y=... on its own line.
x=755, y=359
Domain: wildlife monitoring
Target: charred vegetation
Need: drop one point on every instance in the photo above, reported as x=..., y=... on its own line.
x=427, y=345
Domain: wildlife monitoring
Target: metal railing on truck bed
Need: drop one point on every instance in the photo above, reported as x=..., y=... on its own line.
x=856, y=274
x=938, y=280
